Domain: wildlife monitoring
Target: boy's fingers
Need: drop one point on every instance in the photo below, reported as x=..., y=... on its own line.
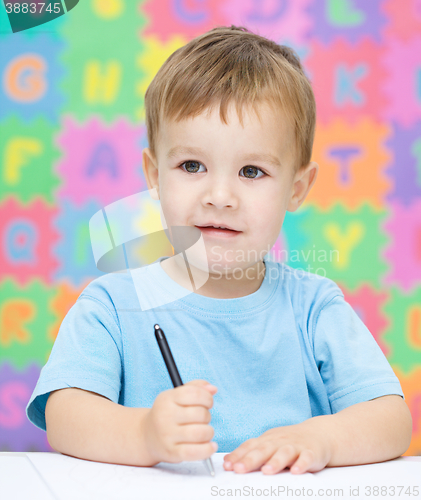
x=255, y=458
x=193, y=415
x=239, y=453
x=283, y=458
x=190, y=394
x=205, y=384
x=200, y=383
x=194, y=433
x=305, y=461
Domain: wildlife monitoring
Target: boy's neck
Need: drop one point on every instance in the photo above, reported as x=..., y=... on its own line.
x=221, y=287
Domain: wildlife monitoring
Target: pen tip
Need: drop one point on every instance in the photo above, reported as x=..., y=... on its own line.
x=156, y=327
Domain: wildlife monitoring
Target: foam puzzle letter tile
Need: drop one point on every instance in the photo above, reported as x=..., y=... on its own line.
x=404, y=250
x=402, y=60
x=74, y=249
x=99, y=162
x=348, y=18
x=403, y=19
x=31, y=74
x=347, y=79
x=25, y=317
x=28, y=154
x=102, y=43
x=281, y=21
x=352, y=161
x=405, y=169
x=189, y=18
x=17, y=433
x=28, y=236
x=403, y=334
x=342, y=245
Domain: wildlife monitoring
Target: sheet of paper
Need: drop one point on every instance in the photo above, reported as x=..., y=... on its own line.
x=20, y=479
x=71, y=478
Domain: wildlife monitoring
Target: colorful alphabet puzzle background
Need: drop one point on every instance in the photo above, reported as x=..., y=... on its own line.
x=72, y=131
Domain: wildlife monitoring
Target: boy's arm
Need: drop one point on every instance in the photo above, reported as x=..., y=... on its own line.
x=87, y=425
x=368, y=432
x=372, y=431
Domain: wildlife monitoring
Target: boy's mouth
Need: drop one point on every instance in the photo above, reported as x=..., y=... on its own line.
x=218, y=231
x=217, y=225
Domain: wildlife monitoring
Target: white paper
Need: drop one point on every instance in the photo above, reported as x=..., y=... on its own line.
x=71, y=478
x=20, y=479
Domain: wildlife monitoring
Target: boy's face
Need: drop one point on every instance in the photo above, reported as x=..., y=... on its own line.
x=207, y=171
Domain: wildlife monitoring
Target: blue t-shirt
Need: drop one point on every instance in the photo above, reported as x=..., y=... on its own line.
x=291, y=350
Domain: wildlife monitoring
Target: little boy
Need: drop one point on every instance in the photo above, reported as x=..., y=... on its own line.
x=289, y=374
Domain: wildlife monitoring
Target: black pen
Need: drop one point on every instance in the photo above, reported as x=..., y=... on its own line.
x=173, y=372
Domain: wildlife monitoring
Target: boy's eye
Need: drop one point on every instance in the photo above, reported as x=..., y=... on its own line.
x=192, y=167
x=250, y=171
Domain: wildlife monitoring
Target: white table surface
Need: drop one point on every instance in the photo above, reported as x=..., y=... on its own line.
x=53, y=476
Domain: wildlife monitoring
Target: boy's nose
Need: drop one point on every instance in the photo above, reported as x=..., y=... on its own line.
x=220, y=195
x=220, y=201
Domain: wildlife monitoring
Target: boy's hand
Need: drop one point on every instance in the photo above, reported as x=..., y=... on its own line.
x=176, y=427
x=302, y=447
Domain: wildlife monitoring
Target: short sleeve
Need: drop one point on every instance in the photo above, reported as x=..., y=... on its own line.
x=86, y=355
x=351, y=364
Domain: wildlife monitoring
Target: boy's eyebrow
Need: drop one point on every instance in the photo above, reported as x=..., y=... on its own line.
x=176, y=150
x=268, y=158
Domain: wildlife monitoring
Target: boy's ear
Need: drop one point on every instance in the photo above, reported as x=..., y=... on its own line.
x=302, y=183
x=150, y=171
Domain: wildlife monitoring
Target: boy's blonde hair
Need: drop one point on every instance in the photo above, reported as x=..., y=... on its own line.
x=232, y=65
